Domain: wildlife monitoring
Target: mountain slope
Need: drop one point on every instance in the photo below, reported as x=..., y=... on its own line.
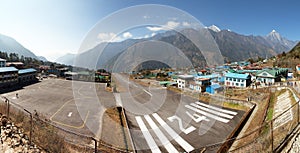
x=289, y=59
x=233, y=46
x=276, y=38
x=42, y=58
x=10, y=45
x=67, y=59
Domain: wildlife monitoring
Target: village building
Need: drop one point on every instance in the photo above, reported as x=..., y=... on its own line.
x=270, y=76
x=183, y=81
x=2, y=62
x=27, y=76
x=237, y=80
x=8, y=76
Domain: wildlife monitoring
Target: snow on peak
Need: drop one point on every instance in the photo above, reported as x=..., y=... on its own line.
x=274, y=36
x=214, y=28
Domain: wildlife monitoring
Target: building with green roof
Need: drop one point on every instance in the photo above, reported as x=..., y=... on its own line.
x=270, y=76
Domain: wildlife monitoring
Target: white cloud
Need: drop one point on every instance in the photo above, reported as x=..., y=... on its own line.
x=127, y=35
x=172, y=24
x=186, y=24
x=155, y=28
x=112, y=37
x=146, y=36
x=153, y=34
x=167, y=26
x=146, y=17
x=106, y=37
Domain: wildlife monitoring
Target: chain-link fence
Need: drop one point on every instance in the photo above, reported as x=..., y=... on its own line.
x=272, y=135
x=49, y=136
x=269, y=137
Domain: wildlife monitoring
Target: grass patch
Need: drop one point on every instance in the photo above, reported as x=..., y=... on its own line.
x=235, y=106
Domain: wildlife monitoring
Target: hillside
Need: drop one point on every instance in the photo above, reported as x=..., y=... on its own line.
x=289, y=59
x=10, y=45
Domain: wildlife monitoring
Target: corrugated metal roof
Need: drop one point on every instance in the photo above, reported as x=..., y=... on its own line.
x=8, y=69
x=237, y=75
x=30, y=70
x=1, y=59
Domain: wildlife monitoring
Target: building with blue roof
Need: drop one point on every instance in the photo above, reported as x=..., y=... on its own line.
x=27, y=76
x=237, y=80
x=8, y=76
x=212, y=89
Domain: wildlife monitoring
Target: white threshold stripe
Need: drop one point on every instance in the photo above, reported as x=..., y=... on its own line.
x=147, y=92
x=163, y=139
x=212, y=111
x=185, y=145
x=151, y=143
x=217, y=109
x=207, y=114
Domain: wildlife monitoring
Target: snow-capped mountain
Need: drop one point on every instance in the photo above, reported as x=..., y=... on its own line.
x=214, y=28
x=275, y=37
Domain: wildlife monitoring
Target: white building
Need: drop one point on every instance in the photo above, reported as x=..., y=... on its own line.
x=2, y=62
x=237, y=80
x=183, y=81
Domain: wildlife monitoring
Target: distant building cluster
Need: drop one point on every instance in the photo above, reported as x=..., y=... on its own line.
x=212, y=80
x=11, y=76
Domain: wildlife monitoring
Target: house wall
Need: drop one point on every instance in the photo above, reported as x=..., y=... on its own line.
x=8, y=78
x=2, y=63
x=266, y=80
x=28, y=77
x=181, y=83
x=235, y=82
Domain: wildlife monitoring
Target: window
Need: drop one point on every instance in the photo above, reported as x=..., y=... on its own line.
x=230, y=79
x=236, y=84
x=242, y=85
x=234, y=79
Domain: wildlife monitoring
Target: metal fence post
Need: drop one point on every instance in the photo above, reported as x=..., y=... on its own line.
x=95, y=144
x=7, y=103
x=272, y=142
x=30, y=134
x=298, y=112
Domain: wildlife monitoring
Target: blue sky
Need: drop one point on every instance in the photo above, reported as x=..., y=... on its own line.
x=55, y=27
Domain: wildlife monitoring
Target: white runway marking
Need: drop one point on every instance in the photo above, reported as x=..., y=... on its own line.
x=198, y=119
x=212, y=111
x=186, y=131
x=207, y=114
x=163, y=139
x=185, y=145
x=147, y=92
x=70, y=114
x=217, y=109
x=151, y=143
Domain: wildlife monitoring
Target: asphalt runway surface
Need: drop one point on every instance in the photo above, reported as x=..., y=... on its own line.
x=75, y=106
x=165, y=121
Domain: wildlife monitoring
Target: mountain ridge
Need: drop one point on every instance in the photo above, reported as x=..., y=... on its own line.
x=10, y=45
x=233, y=46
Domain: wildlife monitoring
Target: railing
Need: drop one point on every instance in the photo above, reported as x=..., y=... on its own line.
x=271, y=136
x=49, y=136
